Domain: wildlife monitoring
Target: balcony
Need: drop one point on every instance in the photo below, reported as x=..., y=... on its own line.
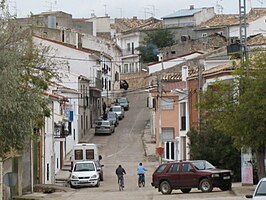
x=127, y=52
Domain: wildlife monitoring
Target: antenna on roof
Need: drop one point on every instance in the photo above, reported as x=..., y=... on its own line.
x=219, y=7
x=105, y=13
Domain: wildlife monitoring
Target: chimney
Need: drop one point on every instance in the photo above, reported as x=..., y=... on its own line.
x=184, y=73
x=191, y=7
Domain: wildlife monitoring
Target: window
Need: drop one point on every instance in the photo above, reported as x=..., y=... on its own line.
x=167, y=134
x=174, y=168
x=89, y=154
x=128, y=46
x=167, y=104
x=183, y=116
x=78, y=154
x=161, y=168
x=186, y=167
x=204, y=35
x=125, y=68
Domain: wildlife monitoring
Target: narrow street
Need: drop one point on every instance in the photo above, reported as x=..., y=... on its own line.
x=125, y=147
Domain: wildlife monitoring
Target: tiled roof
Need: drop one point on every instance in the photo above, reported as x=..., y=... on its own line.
x=233, y=19
x=125, y=24
x=256, y=40
x=183, y=13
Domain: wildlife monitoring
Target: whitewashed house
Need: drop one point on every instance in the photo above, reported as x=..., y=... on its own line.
x=81, y=88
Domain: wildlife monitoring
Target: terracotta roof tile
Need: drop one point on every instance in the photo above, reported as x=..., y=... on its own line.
x=125, y=24
x=256, y=40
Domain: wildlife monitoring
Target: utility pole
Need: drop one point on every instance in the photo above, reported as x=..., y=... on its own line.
x=243, y=31
x=200, y=83
x=160, y=89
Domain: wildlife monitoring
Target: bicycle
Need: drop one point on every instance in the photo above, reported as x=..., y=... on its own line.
x=120, y=183
x=141, y=180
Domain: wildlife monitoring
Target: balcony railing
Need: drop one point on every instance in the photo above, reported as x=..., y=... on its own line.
x=127, y=52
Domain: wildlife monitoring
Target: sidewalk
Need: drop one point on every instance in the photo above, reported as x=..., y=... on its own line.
x=62, y=176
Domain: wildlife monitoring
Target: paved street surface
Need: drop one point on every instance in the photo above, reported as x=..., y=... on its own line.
x=125, y=147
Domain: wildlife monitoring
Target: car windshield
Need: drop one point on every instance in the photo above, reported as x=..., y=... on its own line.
x=102, y=123
x=122, y=100
x=79, y=167
x=111, y=115
x=202, y=165
x=261, y=189
x=116, y=108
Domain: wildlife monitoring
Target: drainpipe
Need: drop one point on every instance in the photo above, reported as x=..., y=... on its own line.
x=1, y=178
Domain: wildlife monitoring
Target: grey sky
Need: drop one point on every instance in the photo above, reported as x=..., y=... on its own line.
x=122, y=8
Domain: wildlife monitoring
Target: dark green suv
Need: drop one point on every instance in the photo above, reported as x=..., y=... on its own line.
x=185, y=175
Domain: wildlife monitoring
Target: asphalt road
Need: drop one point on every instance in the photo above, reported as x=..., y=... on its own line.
x=125, y=147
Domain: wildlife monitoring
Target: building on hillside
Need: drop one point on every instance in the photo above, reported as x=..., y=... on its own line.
x=129, y=34
x=182, y=22
x=169, y=114
x=56, y=20
x=166, y=64
x=229, y=25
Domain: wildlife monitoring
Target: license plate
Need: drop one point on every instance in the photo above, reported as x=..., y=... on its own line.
x=227, y=177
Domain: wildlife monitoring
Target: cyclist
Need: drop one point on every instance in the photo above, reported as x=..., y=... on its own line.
x=141, y=172
x=120, y=171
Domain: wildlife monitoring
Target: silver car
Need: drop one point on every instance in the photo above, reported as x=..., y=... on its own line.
x=104, y=127
x=119, y=110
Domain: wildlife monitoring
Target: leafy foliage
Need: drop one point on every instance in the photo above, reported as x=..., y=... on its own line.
x=24, y=75
x=153, y=41
x=216, y=147
x=237, y=108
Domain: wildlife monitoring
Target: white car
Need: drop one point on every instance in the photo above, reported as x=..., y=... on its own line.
x=260, y=191
x=119, y=110
x=84, y=173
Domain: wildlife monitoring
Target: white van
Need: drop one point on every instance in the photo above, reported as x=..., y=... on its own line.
x=85, y=152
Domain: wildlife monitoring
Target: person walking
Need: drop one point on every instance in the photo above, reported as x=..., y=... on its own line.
x=141, y=172
x=104, y=107
x=120, y=171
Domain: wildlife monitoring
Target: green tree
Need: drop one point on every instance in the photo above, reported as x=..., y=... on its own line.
x=216, y=147
x=24, y=75
x=238, y=108
x=153, y=41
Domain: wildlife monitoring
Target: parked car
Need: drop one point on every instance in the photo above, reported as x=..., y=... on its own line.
x=104, y=127
x=99, y=167
x=84, y=173
x=185, y=175
x=260, y=191
x=119, y=110
x=111, y=116
x=123, y=101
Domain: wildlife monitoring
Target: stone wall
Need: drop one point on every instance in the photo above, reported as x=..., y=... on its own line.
x=136, y=80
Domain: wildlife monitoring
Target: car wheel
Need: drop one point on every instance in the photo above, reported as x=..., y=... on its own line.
x=187, y=190
x=225, y=187
x=98, y=184
x=165, y=187
x=205, y=185
x=72, y=186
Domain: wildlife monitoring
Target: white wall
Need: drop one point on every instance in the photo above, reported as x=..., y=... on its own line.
x=204, y=15
x=78, y=62
x=257, y=26
x=171, y=63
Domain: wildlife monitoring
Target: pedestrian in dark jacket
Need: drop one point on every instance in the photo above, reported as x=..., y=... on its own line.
x=104, y=107
x=120, y=171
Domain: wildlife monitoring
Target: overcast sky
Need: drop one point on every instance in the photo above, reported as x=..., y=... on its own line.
x=123, y=8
